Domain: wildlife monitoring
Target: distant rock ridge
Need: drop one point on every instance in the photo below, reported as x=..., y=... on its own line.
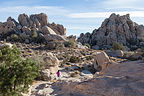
x=26, y=25
x=116, y=28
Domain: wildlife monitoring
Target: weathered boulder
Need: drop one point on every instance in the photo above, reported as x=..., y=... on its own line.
x=24, y=20
x=51, y=59
x=135, y=56
x=40, y=20
x=101, y=61
x=52, y=37
x=26, y=30
x=47, y=30
x=115, y=53
x=72, y=37
x=58, y=29
x=84, y=38
x=49, y=73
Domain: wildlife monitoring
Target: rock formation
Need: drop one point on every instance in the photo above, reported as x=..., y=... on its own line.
x=116, y=28
x=125, y=79
x=101, y=61
x=29, y=27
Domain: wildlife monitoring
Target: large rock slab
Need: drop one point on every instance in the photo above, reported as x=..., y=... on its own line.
x=125, y=79
x=47, y=30
x=101, y=60
x=53, y=37
x=115, y=53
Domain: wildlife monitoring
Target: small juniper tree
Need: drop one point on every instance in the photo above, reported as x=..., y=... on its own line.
x=16, y=73
x=118, y=46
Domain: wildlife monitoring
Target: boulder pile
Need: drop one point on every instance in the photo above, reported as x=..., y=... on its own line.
x=114, y=29
x=29, y=28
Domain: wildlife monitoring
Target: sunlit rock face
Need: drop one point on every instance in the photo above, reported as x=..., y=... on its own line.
x=116, y=28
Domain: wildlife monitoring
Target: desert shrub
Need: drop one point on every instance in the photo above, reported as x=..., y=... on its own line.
x=34, y=34
x=14, y=37
x=74, y=59
x=54, y=45
x=40, y=62
x=128, y=54
x=89, y=57
x=70, y=43
x=16, y=73
x=87, y=45
x=118, y=46
x=59, y=45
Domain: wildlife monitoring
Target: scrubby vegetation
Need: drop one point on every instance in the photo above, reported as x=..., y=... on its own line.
x=16, y=73
x=118, y=46
x=74, y=59
x=54, y=45
x=70, y=43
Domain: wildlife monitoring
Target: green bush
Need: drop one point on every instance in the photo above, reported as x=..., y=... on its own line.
x=34, y=35
x=40, y=61
x=74, y=59
x=118, y=46
x=54, y=45
x=16, y=73
x=70, y=43
x=14, y=37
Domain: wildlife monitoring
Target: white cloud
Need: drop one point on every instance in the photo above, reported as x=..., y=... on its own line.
x=50, y=10
x=105, y=14
x=123, y=3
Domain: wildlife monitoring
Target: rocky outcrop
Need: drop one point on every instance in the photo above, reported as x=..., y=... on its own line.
x=115, y=53
x=126, y=79
x=40, y=21
x=33, y=26
x=116, y=28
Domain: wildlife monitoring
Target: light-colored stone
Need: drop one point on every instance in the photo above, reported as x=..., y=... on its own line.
x=101, y=60
x=52, y=37
x=47, y=30
x=115, y=53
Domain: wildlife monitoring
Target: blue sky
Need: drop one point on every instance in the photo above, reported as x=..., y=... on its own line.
x=78, y=16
